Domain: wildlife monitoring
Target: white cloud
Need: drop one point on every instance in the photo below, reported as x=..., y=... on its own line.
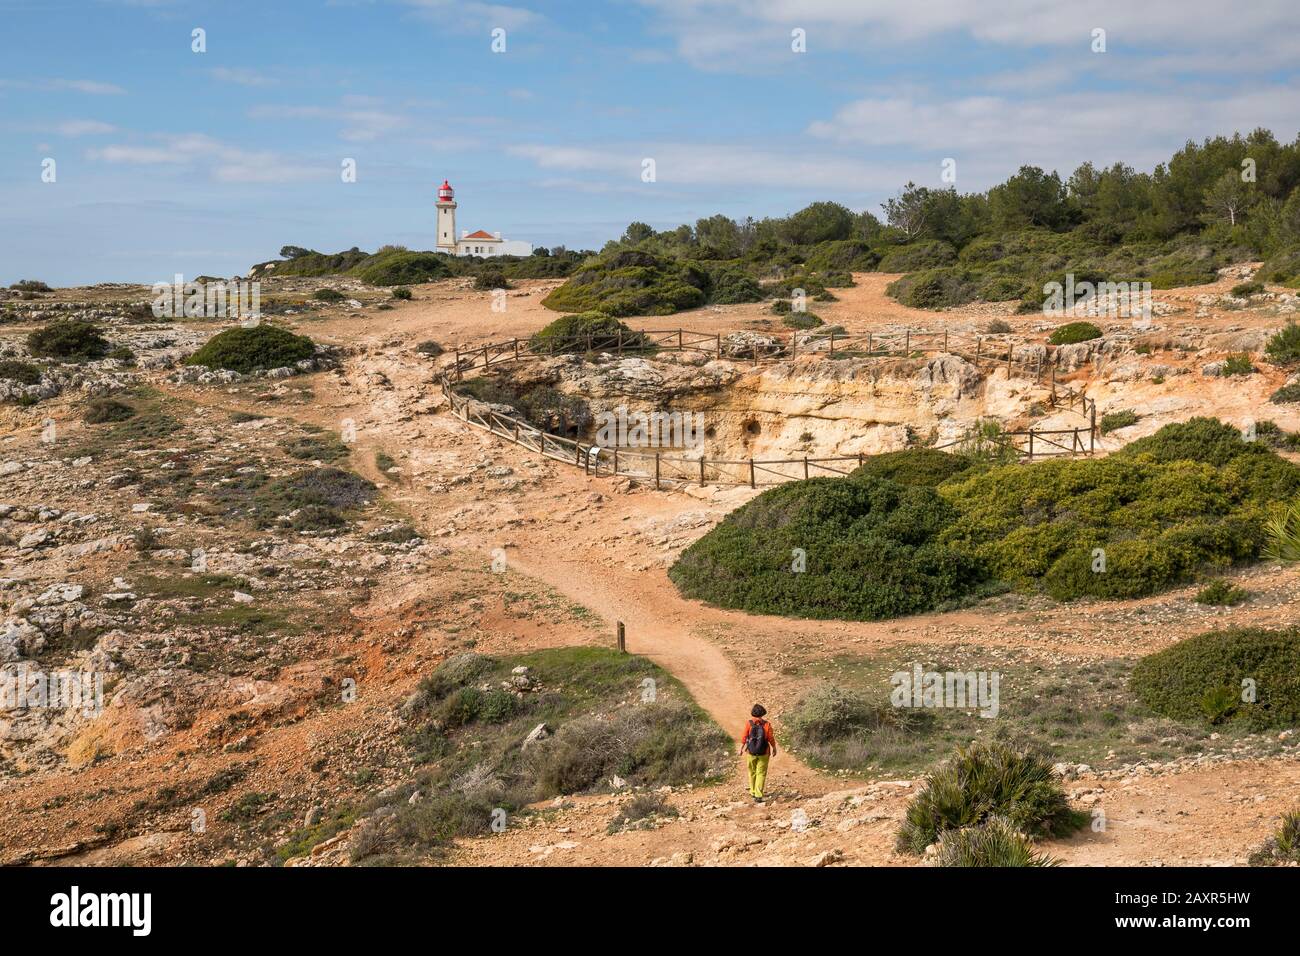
x=92, y=87
x=241, y=76
x=472, y=15
x=85, y=128
x=223, y=161
x=357, y=124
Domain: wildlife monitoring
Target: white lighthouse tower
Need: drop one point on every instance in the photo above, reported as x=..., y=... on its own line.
x=446, y=219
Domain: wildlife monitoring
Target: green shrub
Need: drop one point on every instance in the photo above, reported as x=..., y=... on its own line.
x=429, y=348
x=1004, y=289
x=631, y=282
x=1244, y=290
x=1282, y=534
x=733, y=286
x=1239, y=364
x=1283, y=847
x=801, y=320
x=871, y=547
x=916, y=256
x=936, y=288
x=588, y=331
x=402, y=268
x=489, y=280
x=1193, y=495
x=1201, y=678
x=328, y=295
x=24, y=373
x=30, y=285
x=914, y=466
x=1286, y=395
x=102, y=410
x=1284, y=347
x=1074, y=332
x=246, y=350
x=997, y=327
x=1221, y=593
x=402, y=293
x=994, y=843
x=1113, y=421
x=843, y=255
x=70, y=340
x=984, y=780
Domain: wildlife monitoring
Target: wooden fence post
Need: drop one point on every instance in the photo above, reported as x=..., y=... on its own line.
x=620, y=339
x=1092, y=430
x=622, y=638
x=679, y=339
x=977, y=350
x=516, y=350
x=751, y=472
x=805, y=467
x=869, y=348
x=1031, y=442
x=907, y=342
x=657, y=471
x=701, y=471
x=832, y=343
x=945, y=340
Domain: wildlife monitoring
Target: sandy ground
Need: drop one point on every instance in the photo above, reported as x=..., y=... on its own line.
x=606, y=547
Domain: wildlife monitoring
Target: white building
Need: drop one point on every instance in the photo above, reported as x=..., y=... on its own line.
x=471, y=243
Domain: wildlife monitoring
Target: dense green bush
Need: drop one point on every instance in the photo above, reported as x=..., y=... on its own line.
x=1074, y=332
x=871, y=551
x=631, y=282
x=402, y=268
x=594, y=331
x=1113, y=421
x=984, y=780
x=247, y=349
x=801, y=320
x=996, y=842
x=489, y=280
x=1284, y=347
x=1221, y=593
x=936, y=288
x=402, y=294
x=328, y=295
x=916, y=256
x=1244, y=290
x=1152, y=515
x=1238, y=364
x=71, y=341
x=733, y=286
x=1201, y=678
x=24, y=373
x=843, y=255
x=914, y=466
x=1286, y=395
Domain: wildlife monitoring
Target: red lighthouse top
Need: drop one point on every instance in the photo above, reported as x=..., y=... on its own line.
x=445, y=192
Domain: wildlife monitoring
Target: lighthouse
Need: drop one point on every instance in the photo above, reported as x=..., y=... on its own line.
x=446, y=219
x=479, y=243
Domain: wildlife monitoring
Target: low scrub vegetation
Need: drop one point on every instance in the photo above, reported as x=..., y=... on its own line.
x=1113, y=421
x=842, y=730
x=631, y=282
x=1283, y=847
x=1074, y=332
x=985, y=780
x=1221, y=593
x=586, y=332
x=24, y=373
x=1249, y=676
x=1284, y=347
x=911, y=532
x=69, y=341
x=247, y=350
x=994, y=843
x=468, y=723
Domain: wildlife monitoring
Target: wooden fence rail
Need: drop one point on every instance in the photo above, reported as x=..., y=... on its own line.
x=674, y=468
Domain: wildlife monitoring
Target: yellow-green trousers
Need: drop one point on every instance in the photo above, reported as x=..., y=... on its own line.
x=757, y=774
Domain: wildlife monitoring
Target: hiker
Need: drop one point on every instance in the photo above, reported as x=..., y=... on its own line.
x=758, y=744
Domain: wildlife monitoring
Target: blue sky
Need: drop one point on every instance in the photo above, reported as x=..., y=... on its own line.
x=169, y=161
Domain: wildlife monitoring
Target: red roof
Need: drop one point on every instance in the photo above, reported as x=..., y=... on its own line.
x=480, y=235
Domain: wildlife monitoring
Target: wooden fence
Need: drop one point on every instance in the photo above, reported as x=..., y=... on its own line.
x=676, y=469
